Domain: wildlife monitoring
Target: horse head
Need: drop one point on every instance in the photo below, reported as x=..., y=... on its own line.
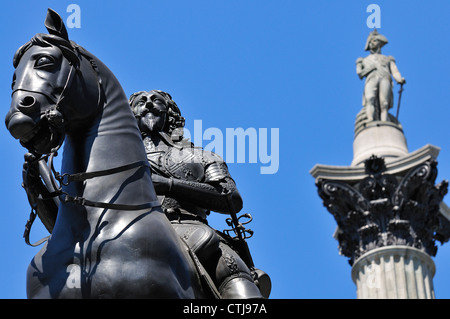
x=55, y=88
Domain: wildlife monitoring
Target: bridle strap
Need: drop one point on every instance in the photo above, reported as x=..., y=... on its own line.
x=26, y=233
x=85, y=202
x=66, y=198
x=66, y=179
x=57, y=100
x=94, y=68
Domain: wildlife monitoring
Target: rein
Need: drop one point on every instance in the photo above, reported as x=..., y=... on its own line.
x=56, y=120
x=65, y=179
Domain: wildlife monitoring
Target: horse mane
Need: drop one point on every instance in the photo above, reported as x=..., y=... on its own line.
x=68, y=48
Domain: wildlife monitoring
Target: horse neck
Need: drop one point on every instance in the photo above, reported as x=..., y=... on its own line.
x=111, y=141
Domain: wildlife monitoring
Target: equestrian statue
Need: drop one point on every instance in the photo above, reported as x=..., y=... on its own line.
x=109, y=236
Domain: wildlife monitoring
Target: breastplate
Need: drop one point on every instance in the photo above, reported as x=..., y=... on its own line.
x=185, y=164
x=178, y=163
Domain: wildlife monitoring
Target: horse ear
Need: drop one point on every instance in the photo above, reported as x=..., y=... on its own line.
x=55, y=25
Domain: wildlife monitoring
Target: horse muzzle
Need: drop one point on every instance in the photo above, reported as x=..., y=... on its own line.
x=33, y=126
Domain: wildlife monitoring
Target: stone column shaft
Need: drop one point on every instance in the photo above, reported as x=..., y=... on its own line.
x=395, y=272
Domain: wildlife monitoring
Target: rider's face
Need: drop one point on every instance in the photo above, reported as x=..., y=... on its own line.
x=151, y=111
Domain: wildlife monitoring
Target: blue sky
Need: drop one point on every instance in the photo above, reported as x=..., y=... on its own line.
x=287, y=65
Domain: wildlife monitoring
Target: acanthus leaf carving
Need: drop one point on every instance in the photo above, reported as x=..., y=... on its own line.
x=384, y=209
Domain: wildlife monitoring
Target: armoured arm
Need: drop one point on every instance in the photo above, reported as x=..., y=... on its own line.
x=210, y=194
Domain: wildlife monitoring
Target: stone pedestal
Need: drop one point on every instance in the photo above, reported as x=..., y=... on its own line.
x=394, y=272
x=382, y=139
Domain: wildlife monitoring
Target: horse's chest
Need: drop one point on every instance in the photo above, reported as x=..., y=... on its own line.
x=124, y=259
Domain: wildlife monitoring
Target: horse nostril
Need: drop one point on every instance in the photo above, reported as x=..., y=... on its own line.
x=27, y=104
x=28, y=101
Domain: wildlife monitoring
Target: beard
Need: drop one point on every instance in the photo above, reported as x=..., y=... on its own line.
x=151, y=124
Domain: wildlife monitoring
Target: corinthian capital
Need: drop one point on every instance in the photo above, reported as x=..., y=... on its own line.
x=384, y=209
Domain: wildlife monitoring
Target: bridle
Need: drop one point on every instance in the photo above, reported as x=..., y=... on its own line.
x=55, y=118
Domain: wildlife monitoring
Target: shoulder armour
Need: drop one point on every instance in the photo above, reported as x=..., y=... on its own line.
x=215, y=167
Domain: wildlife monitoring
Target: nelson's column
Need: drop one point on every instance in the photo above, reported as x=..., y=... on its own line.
x=388, y=209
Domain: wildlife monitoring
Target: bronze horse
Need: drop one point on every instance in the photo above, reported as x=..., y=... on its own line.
x=111, y=238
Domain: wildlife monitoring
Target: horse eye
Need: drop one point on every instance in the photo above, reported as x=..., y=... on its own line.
x=43, y=61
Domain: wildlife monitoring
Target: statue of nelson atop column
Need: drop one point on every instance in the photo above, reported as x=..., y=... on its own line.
x=378, y=69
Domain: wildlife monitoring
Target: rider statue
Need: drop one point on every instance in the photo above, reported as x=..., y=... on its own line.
x=377, y=69
x=191, y=182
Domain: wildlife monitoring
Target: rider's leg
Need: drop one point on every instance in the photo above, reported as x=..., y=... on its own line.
x=235, y=278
